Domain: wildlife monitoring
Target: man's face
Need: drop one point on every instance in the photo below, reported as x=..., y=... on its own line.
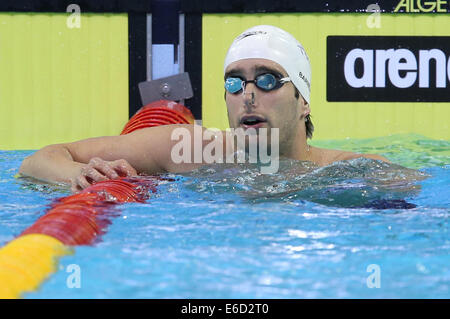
x=278, y=108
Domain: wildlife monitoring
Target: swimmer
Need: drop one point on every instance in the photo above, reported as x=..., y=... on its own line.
x=267, y=77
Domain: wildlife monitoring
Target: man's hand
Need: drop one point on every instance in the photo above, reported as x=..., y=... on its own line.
x=81, y=163
x=99, y=170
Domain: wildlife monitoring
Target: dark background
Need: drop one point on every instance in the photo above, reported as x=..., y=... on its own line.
x=339, y=91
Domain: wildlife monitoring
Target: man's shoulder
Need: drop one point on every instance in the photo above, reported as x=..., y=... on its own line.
x=329, y=156
x=345, y=155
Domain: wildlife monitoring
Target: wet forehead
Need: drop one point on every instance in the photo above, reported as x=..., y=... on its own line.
x=253, y=67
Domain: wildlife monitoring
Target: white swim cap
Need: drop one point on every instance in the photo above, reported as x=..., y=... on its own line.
x=272, y=43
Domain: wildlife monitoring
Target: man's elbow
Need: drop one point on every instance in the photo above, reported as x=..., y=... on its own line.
x=23, y=169
x=26, y=168
x=27, y=165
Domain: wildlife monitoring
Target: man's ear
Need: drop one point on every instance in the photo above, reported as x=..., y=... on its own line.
x=305, y=109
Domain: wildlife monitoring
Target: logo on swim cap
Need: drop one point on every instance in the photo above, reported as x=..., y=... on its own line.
x=300, y=74
x=248, y=34
x=272, y=43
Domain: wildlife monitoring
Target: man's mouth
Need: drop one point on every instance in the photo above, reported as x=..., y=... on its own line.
x=252, y=121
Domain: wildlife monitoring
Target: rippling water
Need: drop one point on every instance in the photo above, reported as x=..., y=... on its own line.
x=231, y=232
x=354, y=183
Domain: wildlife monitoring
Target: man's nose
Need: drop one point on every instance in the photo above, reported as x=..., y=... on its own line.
x=249, y=94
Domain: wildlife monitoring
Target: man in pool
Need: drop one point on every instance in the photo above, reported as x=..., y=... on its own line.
x=267, y=82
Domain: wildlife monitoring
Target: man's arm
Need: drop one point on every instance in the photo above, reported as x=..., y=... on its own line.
x=375, y=157
x=351, y=155
x=53, y=163
x=147, y=151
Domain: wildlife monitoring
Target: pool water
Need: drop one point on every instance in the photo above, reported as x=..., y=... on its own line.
x=229, y=232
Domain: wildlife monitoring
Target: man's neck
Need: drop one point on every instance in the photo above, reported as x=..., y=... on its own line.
x=298, y=149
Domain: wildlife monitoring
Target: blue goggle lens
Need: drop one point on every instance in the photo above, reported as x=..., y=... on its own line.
x=265, y=82
x=233, y=85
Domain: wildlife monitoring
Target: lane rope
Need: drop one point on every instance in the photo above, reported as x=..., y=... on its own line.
x=79, y=219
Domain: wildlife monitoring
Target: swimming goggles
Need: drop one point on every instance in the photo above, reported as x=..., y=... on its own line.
x=265, y=82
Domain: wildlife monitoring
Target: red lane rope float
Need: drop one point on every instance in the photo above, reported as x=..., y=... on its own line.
x=161, y=112
x=81, y=218
x=156, y=115
x=156, y=110
x=166, y=105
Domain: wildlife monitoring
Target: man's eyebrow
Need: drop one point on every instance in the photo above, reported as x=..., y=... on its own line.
x=258, y=69
x=233, y=72
x=265, y=69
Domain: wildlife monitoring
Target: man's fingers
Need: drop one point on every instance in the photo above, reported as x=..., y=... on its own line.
x=124, y=167
x=102, y=171
x=103, y=167
x=82, y=182
x=74, y=187
x=99, y=170
x=109, y=171
x=95, y=175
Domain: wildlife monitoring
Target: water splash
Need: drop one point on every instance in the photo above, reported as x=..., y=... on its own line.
x=353, y=183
